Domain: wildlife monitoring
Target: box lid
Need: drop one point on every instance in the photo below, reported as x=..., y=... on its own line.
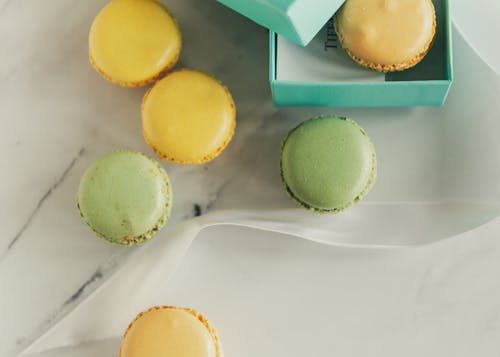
x=297, y=20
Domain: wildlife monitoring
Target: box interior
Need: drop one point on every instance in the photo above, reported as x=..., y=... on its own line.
x=324, y=60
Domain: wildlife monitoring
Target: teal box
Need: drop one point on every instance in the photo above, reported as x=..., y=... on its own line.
x=321, y=74
x=297, y=20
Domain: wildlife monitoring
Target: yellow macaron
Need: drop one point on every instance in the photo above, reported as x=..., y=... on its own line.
x=134, y=42
x=170, y=331
x=386, y=35
x=188, y=117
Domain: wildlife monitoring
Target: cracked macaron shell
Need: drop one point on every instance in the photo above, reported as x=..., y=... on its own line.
x=125, y=197
x=327, y=164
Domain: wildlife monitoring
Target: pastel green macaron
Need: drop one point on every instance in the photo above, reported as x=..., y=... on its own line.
x=125, y=197
x=328, y=163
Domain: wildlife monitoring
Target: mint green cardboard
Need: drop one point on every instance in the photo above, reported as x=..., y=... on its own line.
x=297, y=20
x=321, y=74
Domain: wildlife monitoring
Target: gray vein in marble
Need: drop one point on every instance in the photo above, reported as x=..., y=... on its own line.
x=76, y=295
x=5, y=5
x=8, y=75
x=41, y=201
x=197, y=210
x=423, y=282
x=103, y=271
x=200, y=209
x=216, y=194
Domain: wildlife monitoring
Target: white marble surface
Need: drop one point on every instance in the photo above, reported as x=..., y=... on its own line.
x=57, y=115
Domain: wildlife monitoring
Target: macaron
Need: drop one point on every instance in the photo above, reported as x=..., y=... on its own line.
x=134, y=42
x=188, y=117
x=125, y=197
x=170, y=331
x=386, y=35
x=328, y=163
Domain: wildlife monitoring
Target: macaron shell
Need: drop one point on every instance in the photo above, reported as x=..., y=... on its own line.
x=188, y=117
x=328, y=163
x=133, y=42
x=124, y=197
x=386, y=35
x=170, y=331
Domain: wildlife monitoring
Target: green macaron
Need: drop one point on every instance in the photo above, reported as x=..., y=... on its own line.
x=125, y=197
x=328, y=163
